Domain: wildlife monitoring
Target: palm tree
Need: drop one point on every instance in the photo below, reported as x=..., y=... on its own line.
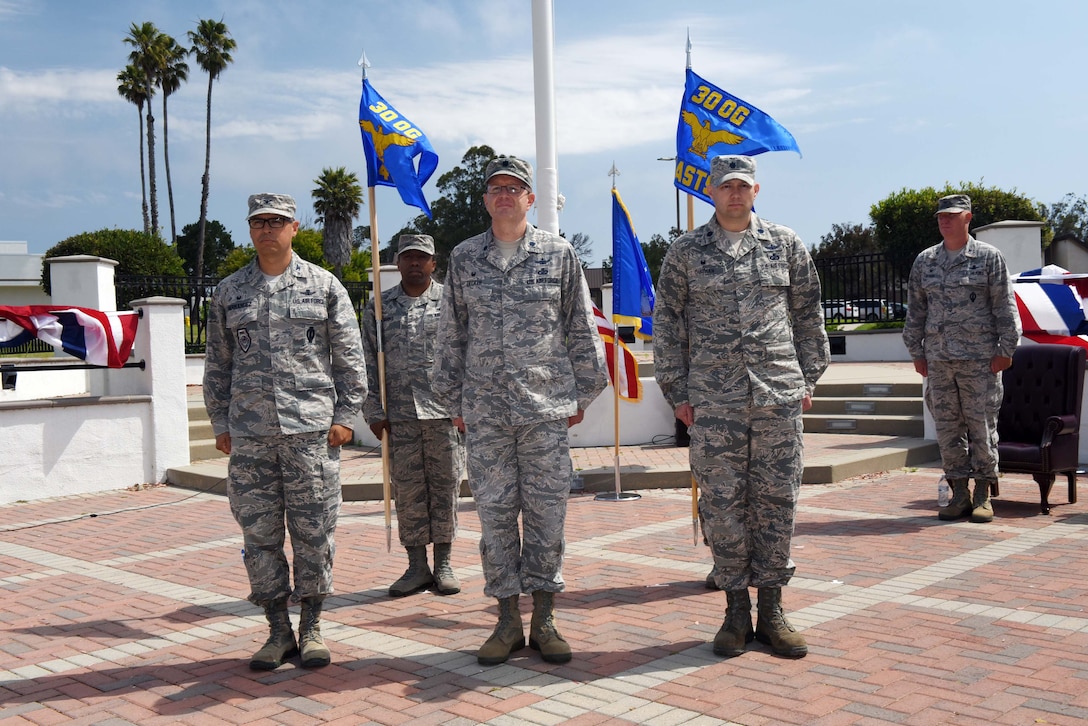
x=148, y=50
x=337, y=199
x=212, y=45
x=131, y=86
x=172, y=74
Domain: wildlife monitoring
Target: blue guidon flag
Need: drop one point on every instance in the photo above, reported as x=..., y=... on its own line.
x=713, y=122
x=391, y=143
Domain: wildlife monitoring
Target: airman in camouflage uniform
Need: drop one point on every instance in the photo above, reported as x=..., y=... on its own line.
x=427, y=451
x=519, y=360
x=739, y=344
x=284, y=380
x=961, y=330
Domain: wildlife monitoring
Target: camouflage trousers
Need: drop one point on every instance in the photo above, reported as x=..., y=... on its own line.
x=520, y=470
x=427, y=464
x=292, y=479
x=748, y=462
x=964, y=398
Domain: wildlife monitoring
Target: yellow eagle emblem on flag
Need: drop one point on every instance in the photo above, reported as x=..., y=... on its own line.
x=703, y=137
x=382, y=141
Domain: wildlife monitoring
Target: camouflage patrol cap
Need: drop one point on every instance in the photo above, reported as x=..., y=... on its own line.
x=511, y=166
x=421, y=242
x=724, y=168
x=953, y=204
x=267, y=203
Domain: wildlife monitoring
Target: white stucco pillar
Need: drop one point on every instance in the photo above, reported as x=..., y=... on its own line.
x=83, y=281
x=1020, y=242
x=160, y=343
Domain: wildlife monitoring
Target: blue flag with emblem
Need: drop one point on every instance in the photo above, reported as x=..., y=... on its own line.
x=632, y=288
x=391, y=143
x=713, y=122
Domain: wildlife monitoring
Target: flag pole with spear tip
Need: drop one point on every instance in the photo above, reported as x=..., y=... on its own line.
x=375, y=264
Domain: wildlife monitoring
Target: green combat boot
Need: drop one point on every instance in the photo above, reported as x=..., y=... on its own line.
x=417, y=577
x=281, y=638
x=509, y=634
x=960, y=504
x=543, y=635
x=773, y=629
x=736, y=630
x=983, y=511
x=312, y=645
x=445, y=581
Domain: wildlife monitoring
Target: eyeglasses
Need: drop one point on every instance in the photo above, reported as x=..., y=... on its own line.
x=497, y=189
x=271, y=222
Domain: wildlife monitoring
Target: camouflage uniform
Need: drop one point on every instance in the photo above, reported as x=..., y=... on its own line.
x=426, y=450
x=961, y=313
x=739, y=336
x=283, y=365
x=518, y=354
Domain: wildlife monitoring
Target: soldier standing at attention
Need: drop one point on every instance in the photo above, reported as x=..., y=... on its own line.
x=427, y=450
x=739, y=344
x=284, y=380
x=961, y=330
x=518, y=361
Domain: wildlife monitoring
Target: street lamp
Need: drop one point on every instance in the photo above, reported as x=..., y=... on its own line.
x=673, y=158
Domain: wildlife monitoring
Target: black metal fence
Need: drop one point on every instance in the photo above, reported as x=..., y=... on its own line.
x=197, y=292
x=862, y=288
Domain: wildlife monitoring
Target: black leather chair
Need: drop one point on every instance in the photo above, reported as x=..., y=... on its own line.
x=1039, y=423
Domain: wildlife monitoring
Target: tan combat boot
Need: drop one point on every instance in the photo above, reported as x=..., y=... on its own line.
x=314, y=652
x=773, y=629
x=960, y=503
x=543, y=635
x=281, y=643
x=445, y=581
x=736, y=631
x=417, y=577
x=509, y=634
x=983, y=511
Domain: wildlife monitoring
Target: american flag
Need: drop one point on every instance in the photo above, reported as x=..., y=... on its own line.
x=628, y=384
x=100, y=338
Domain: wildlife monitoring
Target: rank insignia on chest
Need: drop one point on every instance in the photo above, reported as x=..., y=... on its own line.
x=244, y=341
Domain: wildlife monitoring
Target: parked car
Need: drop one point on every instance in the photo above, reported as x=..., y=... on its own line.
x=897, y=310
x=871, y=310
x=838, y=311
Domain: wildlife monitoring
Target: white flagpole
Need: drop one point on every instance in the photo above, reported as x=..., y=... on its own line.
x=547, y=172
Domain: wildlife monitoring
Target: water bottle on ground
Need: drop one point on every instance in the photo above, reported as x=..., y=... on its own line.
x=944, y=495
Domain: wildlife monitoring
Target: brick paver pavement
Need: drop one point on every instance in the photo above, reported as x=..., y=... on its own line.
x=126, y=607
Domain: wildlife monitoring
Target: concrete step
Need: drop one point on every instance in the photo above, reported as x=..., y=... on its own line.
x=200, y=430
x=842, y=389
x=202, y=449
x=874, y=406
x=911, y=426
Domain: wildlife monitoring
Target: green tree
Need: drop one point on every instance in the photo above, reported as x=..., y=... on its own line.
x=136, y=253
x=337, y=200
x=904, y=223
x=148, y=54
x=218, y=244
x=582, y=245
x=459, y=213
x=133, y=88
x=358, y=270
x=212, y=45
x=235, y=260
x=173, y=72
x=1068, y=217
x=846, y=239
x=654, y=252
x=309, y=245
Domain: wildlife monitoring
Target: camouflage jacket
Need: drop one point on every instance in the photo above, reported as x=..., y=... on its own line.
x=284, y=360
x=409, y=330
x=963, y=310
x=731, y=329
x=517, y=342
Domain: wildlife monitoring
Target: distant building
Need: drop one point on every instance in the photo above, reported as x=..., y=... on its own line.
x=21, y=276
x=1069, y=252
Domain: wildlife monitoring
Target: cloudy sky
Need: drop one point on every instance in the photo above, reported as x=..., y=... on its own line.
x=880, y=95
